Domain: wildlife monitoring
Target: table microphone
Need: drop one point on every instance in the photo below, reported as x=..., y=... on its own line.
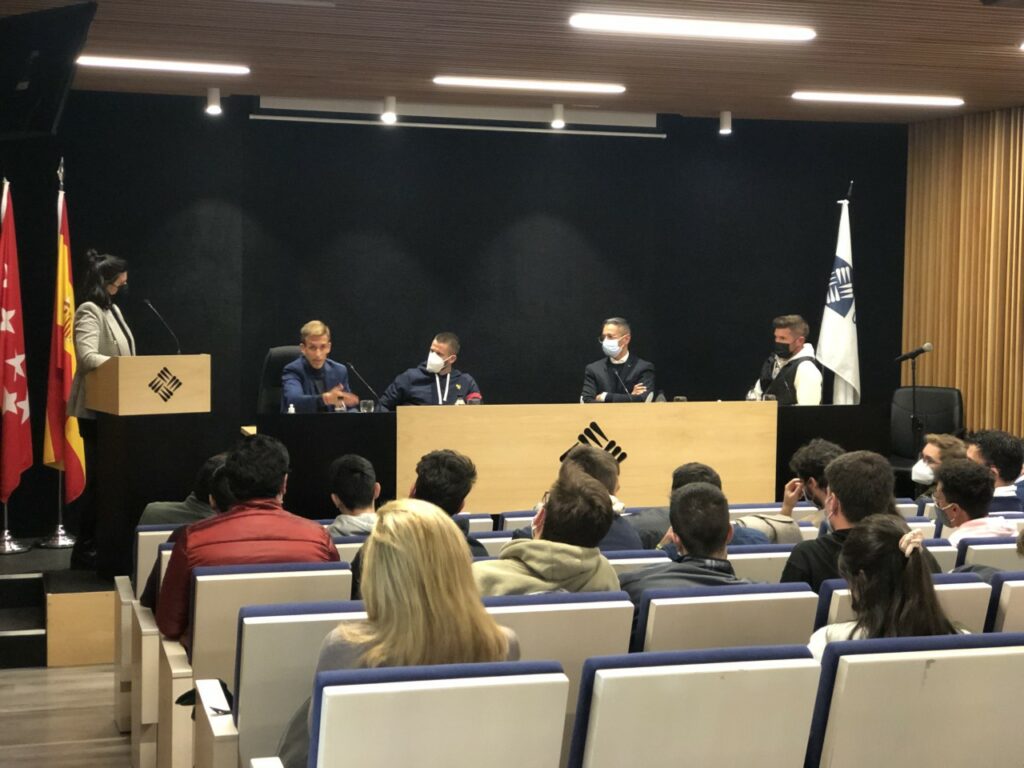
x=624, y=389
x=364, y=382
x=165, y=325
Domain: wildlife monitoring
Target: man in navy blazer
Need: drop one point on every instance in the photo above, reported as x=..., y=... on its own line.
x=312, y=382
x=620, y=377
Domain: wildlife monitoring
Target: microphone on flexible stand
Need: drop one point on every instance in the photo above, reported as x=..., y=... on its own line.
x=624, y=388
x=364, y=382
x=926, y=347
x=165, y=325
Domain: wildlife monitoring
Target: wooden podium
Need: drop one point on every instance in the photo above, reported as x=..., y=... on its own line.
x=150, y=385
x=516, y=448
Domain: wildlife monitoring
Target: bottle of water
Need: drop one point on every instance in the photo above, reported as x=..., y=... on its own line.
x=291, y=407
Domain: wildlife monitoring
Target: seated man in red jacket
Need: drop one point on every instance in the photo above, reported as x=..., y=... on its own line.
x=256, y=529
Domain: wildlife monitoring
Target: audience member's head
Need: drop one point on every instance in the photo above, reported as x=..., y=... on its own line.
x=861, y=482
x=939, y=448
x=444, y=478
x=1001, y=452
x=354, y=484
x=204, y=478
x=599, y=464
x=577, y=510
x=963, y=490
x=422, y=604
x=694, y=472
x=257, y=468
x=699, y=513
x=890, y=581
x=808, y=464
x=221, y=499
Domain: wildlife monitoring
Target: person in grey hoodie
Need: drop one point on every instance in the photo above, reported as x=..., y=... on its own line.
x=562, y=555
x=354, y=489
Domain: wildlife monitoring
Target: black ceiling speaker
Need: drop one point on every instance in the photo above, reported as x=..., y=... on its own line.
x=37, y=64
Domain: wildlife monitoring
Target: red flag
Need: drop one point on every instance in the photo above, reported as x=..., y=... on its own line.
x=16, y=435
x=63, y=448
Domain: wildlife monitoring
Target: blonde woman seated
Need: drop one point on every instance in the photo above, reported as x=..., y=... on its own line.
x=422, y=607
x=890, y=584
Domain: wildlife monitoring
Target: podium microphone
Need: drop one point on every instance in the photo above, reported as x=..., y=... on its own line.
x=926, y=347
x=165, y=325
x=364, y=382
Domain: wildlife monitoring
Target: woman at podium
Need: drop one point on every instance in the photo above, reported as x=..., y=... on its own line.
x=100, y=333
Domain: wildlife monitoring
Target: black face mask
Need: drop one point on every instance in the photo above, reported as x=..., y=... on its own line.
x=122, y=293
x=782, y=350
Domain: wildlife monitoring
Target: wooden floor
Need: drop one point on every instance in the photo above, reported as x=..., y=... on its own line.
x=60, y=717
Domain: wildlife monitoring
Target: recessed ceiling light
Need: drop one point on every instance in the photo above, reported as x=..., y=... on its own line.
x=163, y=65
x=506, y=83
x=677, y=27
x=895, y=99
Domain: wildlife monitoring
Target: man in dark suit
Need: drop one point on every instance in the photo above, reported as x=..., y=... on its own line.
x=620, y=377
x=313, y=382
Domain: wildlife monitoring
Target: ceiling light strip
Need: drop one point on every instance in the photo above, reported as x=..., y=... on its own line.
x=460, y=127
x=892, y=99
x=519, y=84
x=163, y=65
x=667, y=26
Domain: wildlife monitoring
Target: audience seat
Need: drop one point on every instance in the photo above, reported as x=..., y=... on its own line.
x=963, y=596
x=219, y=592
x=728, y=707
x=493, y=541
x=880, y=702
x=1006, y=608
x=627, y=560
x=475, y=522
x=426, y=710
x=943, y=552
x=277, y=651
x=510, y=521
x=998, y=552
x=725, y=616
x=760, y=562
x=808, y=529
x=148, y=539
x=348, y=546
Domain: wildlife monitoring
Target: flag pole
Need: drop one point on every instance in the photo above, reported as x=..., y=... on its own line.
x=60, y=539
x=8, y=544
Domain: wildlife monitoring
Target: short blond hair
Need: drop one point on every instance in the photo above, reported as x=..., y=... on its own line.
x=422, y=604
x=949, y=447
x=314, y=328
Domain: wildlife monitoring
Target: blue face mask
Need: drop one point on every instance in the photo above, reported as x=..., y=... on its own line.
x=611, y=347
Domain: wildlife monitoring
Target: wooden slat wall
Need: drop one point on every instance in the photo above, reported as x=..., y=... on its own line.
x=964, y=262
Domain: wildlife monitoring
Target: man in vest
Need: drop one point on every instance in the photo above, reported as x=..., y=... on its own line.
x=790, y=374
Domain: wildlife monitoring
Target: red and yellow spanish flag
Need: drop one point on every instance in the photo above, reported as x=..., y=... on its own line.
x=67, y=452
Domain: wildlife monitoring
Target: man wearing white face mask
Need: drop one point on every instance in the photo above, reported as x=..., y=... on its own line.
x=434, y=382
x=937, y=450
x=620, y=377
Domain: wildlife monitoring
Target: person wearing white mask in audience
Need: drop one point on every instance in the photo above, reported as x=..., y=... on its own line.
x=937, y=449
x=620, y=377
x=435, y=381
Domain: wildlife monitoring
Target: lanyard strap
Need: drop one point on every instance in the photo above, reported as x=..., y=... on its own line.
x=437, y=380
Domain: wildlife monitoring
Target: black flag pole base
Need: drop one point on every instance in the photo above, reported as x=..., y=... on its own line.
x=60, y=539
x=10, y=545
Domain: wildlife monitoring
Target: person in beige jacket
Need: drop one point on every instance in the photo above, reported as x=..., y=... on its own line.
x=562, y=555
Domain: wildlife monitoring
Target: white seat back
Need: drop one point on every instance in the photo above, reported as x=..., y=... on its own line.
x=347, y=550
x=629, y=564
x=1009, y=614
x=1003, y=557
x=147, y=543
x=945, y=556
x=964, y=604
x=765, y=567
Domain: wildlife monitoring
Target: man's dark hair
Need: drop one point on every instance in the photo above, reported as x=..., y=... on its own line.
x=1000, y=450
x=863, y=483
x=621, y=322
x=450, y=339
x=795, y=323
x=256, y=467
x=220, y=491
x=810, y=460
x=966, y=483
x=599, y=464
x=445, y=478
x=352, y=481
x=204, y=478
x=699, y=513
x=578, y=509
x=695, y=472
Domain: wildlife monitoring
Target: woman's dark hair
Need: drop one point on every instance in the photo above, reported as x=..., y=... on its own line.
x=893, y=595
x=101, y=269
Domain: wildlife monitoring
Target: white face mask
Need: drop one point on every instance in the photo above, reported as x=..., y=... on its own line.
x=434, y=362
x=610, y=347
x=922, y=474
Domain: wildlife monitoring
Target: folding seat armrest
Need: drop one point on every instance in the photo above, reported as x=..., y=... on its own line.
x=145, y=664
x=174, y=724
x=216, y=734
x=266, y=762
x=123, y=652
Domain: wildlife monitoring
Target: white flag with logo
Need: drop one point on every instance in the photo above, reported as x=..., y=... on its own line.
x=837, y=342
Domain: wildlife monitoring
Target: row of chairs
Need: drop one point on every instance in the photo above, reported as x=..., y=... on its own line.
x=870, y=702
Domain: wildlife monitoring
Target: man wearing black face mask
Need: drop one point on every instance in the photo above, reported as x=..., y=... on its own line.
x=790, y=374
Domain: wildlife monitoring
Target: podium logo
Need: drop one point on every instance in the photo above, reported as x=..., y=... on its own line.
x=165, y=384
x=595, y=437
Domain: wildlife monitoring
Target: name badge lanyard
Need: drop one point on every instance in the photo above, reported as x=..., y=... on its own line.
x=447, y=380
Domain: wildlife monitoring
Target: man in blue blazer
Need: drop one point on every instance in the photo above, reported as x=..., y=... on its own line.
x=312, y=382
